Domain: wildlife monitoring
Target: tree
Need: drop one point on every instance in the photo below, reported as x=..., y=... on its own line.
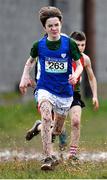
x=89, y=29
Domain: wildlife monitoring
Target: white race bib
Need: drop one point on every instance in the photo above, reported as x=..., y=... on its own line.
x=53, y=65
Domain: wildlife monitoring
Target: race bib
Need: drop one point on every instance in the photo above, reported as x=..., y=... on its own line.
x=53, y=65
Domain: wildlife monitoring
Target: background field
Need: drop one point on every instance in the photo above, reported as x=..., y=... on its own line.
x=15, y=120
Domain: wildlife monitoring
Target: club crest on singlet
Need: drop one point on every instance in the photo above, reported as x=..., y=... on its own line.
x=56, y=65
x=63, y=55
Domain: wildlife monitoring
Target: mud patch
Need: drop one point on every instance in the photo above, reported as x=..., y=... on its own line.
x=88, y=156
x=22, y=155
x=8, y=155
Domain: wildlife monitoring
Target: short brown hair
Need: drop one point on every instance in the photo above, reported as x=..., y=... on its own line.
x=78, y=35
x=48, y=12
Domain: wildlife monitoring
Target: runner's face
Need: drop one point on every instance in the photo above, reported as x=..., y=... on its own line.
x=53, y=28
x=81, y=45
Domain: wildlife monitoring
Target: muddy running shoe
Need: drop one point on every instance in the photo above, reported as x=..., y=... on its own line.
x=33, y=131
x=74, y=158
x=62, y=147
x=48, y=164
x=53, y=138
x=55, y=160
x=62, y=141
x=73, y=161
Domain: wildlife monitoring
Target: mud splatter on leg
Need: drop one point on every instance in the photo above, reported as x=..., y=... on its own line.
x=58, y=124
x=46, y=109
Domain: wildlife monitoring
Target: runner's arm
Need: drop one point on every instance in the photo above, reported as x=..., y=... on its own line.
x=26, y=80
x=76, y=55
x=92, y=81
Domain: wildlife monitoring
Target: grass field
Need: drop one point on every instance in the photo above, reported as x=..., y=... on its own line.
x=15, y=120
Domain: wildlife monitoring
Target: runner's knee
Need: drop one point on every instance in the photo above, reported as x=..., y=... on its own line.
x=58, y=124
x=76, y=121
x=46, y=109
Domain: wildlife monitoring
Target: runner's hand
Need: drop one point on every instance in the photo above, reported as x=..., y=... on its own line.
x=72, y=79
x=25, y=83
x=95, y=103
